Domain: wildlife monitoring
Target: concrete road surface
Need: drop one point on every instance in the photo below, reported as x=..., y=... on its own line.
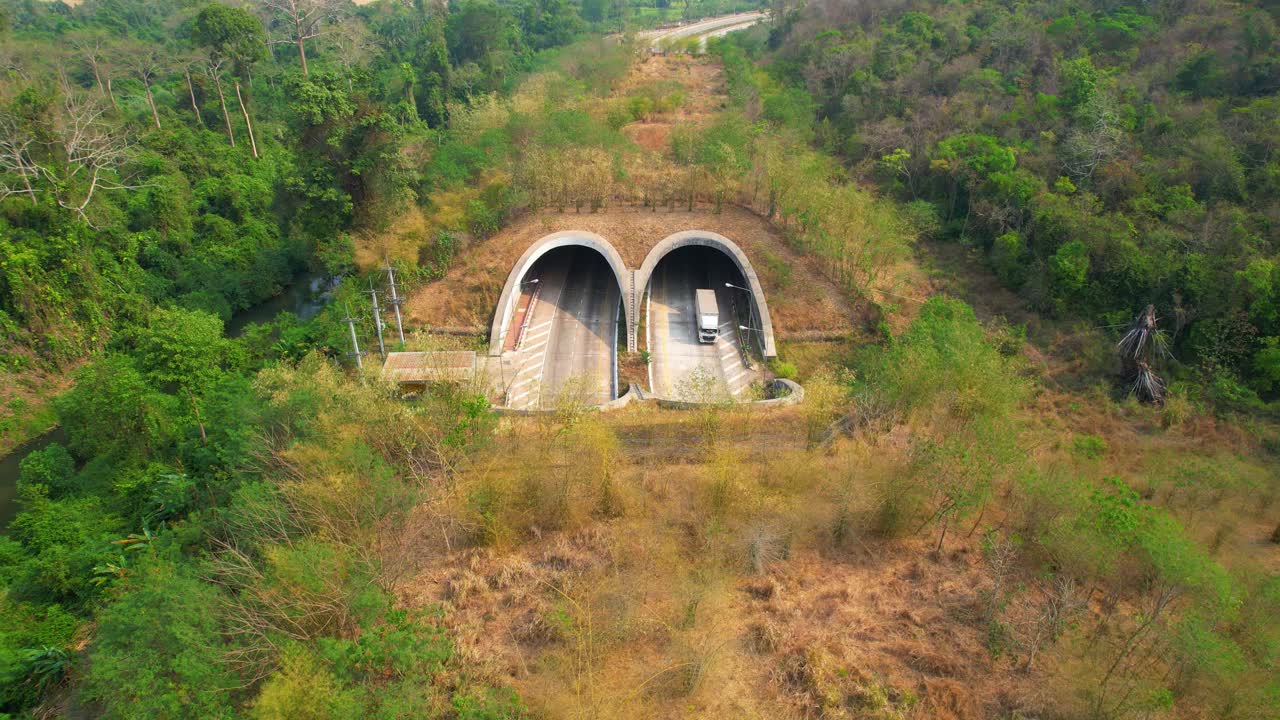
x=681, y=367
x=570, y=344
x=708, y=27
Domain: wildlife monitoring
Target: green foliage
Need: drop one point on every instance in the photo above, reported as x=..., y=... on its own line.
x=232, y=33
x=51, y=467
x=783, y=369
x=1089, y=446
x=158, y=651
x=33, y=649
x=179, y=348
x=1009, y=258
x=112, y=410
x=944, y=359
x=1083, y=169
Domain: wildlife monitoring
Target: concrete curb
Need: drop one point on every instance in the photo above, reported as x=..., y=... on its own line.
x=789, y=393
x=632, y=394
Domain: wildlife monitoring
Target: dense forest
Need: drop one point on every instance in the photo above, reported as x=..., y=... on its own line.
x=228, y=524
x=1102, y=155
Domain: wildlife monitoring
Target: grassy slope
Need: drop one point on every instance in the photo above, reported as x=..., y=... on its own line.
x=666, y=565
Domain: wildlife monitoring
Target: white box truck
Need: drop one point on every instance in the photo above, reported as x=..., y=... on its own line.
x=708, y=315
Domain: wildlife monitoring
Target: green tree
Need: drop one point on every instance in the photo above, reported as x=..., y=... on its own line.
x=158, y=651
x=230, y=35
x=180, y=349
x=112, y=410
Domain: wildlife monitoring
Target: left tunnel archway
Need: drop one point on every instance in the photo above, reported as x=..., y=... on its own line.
x=511, y=292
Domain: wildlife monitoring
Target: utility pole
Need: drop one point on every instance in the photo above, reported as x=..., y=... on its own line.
x=395, y=301
x=377, y=319
x=355, y=344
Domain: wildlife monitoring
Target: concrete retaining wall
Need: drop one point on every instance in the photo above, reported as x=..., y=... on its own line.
x=789, y=393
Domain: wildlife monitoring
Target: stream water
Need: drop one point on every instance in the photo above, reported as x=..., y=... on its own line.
x=9, y=472
x=305, y=297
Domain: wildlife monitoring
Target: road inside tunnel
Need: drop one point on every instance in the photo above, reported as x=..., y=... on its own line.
x=682, y=367
x=564, y=332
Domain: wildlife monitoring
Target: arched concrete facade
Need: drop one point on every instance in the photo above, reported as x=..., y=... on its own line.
x=511, y=292
x=728, y=247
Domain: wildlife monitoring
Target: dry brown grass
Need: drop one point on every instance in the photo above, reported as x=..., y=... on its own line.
x=671, y=609
x=799, y=297
x=25, y=402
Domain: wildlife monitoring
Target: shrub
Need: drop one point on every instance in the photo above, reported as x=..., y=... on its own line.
x=1089, y=446
x=158, y=651
x=944, y=358
x=783, y=369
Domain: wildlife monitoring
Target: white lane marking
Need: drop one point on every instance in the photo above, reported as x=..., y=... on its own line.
x=537, y=347
x=537, y=336
x=539, y=326
x=726, y=326
x=734, y=379
x=534, y=366
x=522, y=383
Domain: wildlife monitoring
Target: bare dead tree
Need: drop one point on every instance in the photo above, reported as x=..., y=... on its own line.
x=1096, y=143
x=213, y=67
x=353, y=45
x=15, y=157
x=147, y=61
x=187, y=64
x=1130, y=659
x=83, y=156
x=93, y=49
x=1140, y=347
x=304, y=20
x=1062, y=601
x=253, y=143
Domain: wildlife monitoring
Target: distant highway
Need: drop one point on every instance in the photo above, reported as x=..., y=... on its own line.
x=709, y=27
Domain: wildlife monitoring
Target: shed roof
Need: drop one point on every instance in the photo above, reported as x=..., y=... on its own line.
x=425, y=367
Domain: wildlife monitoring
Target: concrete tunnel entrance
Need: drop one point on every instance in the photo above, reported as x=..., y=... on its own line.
x=517, y=285
x=570, y=300
x=561, y=339
x=684, y=365
x=753, y=293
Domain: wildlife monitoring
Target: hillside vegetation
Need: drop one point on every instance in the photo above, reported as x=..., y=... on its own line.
x=1101, y=155
x=966, y=518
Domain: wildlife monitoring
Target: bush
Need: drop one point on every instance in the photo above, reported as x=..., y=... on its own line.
x=944, y=358
x=158, y=651
x=783, y=369
x=51, y=466
x=1090, y=446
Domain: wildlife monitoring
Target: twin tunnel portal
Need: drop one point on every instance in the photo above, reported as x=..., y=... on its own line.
x=571, y=303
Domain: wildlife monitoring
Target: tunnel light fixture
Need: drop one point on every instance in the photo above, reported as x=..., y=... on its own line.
x=744, y=327
x=737, y=287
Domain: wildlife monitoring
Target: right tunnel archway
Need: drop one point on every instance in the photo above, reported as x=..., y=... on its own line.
x=707, y=239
